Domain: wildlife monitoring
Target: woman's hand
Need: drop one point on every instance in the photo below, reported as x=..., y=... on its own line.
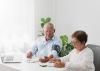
x=59, y=64
x=53, y=60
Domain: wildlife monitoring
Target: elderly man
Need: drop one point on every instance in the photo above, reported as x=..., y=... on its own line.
x=47, y=46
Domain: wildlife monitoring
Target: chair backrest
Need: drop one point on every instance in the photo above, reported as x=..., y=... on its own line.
x=96, y=50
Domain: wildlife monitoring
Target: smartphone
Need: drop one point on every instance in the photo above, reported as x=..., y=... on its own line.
x=43, y=65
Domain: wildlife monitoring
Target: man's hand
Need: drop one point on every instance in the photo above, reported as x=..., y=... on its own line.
x=59, y=64
x=29, y=54
x=44, y=60
x=50, y=57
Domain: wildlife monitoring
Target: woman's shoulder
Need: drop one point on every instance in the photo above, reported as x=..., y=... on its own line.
x=88, y=51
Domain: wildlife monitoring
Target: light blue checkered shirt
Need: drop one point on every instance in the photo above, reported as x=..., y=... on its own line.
x=44, y=48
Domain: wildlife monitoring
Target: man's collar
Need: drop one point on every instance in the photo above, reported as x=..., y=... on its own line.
x=50, y=39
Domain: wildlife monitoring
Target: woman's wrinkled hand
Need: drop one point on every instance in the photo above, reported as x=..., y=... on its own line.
x=53, y=60
x=59, y=64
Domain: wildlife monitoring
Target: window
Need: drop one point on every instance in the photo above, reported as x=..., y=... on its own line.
x=16, y=25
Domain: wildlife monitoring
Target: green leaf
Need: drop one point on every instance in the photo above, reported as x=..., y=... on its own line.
x=43, y=20
x=42, y=25
x=48, y=19
x=64, y=39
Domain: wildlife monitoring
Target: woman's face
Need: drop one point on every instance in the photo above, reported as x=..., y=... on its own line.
x=77, y=44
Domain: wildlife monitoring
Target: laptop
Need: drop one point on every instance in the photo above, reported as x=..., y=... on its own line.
x=11, y=59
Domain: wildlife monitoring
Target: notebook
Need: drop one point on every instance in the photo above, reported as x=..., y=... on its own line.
x=11, y=59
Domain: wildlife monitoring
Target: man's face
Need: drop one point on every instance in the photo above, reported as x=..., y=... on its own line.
x=48, y=32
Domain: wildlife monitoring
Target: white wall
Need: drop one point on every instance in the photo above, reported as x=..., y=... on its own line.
x=16, y=23
x=72, y=15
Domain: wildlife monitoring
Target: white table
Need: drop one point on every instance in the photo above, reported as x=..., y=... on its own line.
x=24, y=66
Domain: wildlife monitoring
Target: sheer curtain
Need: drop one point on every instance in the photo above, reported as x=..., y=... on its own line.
x=16, y=25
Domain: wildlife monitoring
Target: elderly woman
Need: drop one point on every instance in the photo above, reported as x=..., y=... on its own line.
x=80, y=58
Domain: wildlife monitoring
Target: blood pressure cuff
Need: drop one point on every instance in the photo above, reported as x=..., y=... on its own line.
x=56, y=47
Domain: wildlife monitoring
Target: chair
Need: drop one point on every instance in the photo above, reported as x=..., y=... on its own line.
x=96, y=50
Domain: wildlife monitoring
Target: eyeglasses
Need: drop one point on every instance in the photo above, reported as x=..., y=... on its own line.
x=75, y=42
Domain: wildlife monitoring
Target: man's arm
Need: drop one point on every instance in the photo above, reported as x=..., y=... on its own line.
x=55, y=50
x=56, y=47
x=32, y=52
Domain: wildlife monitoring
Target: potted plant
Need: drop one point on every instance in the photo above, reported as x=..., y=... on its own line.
x=66, y=46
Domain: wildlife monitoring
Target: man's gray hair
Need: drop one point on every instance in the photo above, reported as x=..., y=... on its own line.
x=49, y=25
